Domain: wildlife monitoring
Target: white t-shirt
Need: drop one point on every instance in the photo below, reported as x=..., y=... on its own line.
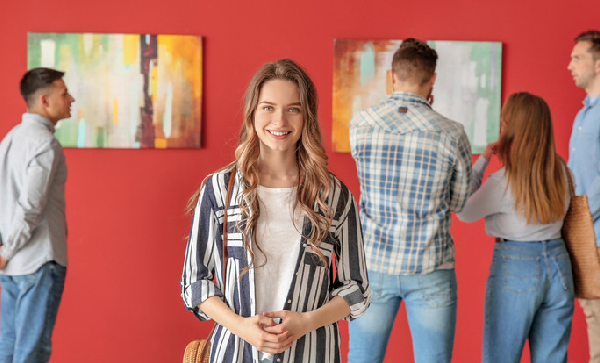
x=278, y=232
x=278, y=235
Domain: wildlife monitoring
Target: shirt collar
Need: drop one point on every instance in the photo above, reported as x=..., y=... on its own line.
x=408, y=97
x=37, y=118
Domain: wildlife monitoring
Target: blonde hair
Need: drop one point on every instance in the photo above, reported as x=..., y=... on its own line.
x=314, y=178
x=535, y=172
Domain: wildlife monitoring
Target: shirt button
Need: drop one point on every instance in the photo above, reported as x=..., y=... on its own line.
x=579, y=127
x=573, y=149
x=279, y=359
x=289, y=301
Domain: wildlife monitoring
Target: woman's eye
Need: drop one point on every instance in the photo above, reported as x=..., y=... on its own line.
x=294, y=109
x=267, y=108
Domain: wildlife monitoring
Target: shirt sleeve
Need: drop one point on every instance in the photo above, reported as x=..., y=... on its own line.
x=34, y=196
x=460, y=182
x=593, y=195
x=477, y=174
x=201, y=255
x=352, y=283
x=486, y=200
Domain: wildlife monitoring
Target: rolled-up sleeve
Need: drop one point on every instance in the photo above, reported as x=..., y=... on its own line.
x=200, y=260
x=352, y=282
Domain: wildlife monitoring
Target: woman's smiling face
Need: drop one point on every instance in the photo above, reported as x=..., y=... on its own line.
x=278, y=119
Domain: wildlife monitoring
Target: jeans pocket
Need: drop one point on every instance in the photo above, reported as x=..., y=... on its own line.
x=25, y=282
x=565, y=270
x=520, y=273
x=438, y=288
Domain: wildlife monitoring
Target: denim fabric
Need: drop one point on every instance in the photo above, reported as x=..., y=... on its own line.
x=28, y=314
x=431, y=310
x=529, y=295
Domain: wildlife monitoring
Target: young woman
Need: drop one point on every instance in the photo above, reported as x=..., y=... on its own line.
x=289, y=218
x=529, y=293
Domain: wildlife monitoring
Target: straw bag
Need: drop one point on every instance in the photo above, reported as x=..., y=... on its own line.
x=198, y=351
x=579, y=236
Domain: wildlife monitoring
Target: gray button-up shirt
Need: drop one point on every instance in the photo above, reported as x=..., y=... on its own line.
x=33, y=173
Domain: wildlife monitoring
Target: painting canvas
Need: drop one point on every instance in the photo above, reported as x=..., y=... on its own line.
x=130, y=90
x=467, y=87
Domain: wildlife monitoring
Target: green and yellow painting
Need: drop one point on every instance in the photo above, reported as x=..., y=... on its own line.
x=130, y=90
x=467, y=87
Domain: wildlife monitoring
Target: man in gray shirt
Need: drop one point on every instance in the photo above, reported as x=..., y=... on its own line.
x=33, y=231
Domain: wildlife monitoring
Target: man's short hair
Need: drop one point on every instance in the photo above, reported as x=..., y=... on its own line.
x=414, y=61
x=592, y=36
x=38, y=78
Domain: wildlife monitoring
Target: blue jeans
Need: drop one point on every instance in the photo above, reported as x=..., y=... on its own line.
x=28, y=314
x=431, y=311
x=529, y=295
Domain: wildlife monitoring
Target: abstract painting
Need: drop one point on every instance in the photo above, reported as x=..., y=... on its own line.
x=131, y=90
x=467, y=87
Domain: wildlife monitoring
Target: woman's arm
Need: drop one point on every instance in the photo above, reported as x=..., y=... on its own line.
x=485, y=201
x=199, y=267
x=299, y=324
x=480, y=166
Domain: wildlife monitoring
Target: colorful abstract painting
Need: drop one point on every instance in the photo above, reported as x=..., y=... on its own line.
x=467, y=87
x=130, y=90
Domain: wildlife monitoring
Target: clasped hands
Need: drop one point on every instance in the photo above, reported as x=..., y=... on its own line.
x=262, y=332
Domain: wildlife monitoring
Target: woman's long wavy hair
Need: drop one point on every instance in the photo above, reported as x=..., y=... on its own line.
x=535, y=172
x=314, y=176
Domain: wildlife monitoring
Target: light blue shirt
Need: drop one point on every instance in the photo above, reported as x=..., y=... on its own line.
x=33, y=173
x=584, y=157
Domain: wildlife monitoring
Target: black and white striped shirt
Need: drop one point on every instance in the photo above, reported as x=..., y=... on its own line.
x=312, y=286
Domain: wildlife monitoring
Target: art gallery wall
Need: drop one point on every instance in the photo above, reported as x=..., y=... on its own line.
x=126, y=208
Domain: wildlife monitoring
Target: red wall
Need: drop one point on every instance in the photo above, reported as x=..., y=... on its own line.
x=126, y=207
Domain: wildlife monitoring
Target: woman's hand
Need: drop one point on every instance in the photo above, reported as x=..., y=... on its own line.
x=254, y=330
x=297, y=324
x=490, y=150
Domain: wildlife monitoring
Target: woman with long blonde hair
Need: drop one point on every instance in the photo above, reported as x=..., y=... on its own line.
x=529, y=292
x=289, y=219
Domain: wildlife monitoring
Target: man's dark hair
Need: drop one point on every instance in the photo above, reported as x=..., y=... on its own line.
x=414, y=60
x=592, y=36
x=38, y=78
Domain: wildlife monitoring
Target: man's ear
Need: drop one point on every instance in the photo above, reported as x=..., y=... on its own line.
x=43, y=99
x=432, y=80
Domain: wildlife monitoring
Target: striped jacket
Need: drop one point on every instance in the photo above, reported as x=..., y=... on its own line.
x=312, y=286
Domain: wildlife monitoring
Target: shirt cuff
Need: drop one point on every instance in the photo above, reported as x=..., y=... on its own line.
x=6, y=252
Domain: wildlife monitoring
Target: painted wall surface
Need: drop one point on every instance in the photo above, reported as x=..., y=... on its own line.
x=125, y=208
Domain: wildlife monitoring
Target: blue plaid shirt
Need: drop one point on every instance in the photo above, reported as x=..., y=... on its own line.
x=414, y=168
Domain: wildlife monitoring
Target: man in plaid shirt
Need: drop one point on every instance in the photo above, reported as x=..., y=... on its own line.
x=414, y=167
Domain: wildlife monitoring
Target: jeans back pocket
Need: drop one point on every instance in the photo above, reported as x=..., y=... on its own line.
x=520, y=274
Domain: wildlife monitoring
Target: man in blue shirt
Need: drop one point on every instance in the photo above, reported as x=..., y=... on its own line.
x=584, y=154
x=414, y=168
x=33, y=231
